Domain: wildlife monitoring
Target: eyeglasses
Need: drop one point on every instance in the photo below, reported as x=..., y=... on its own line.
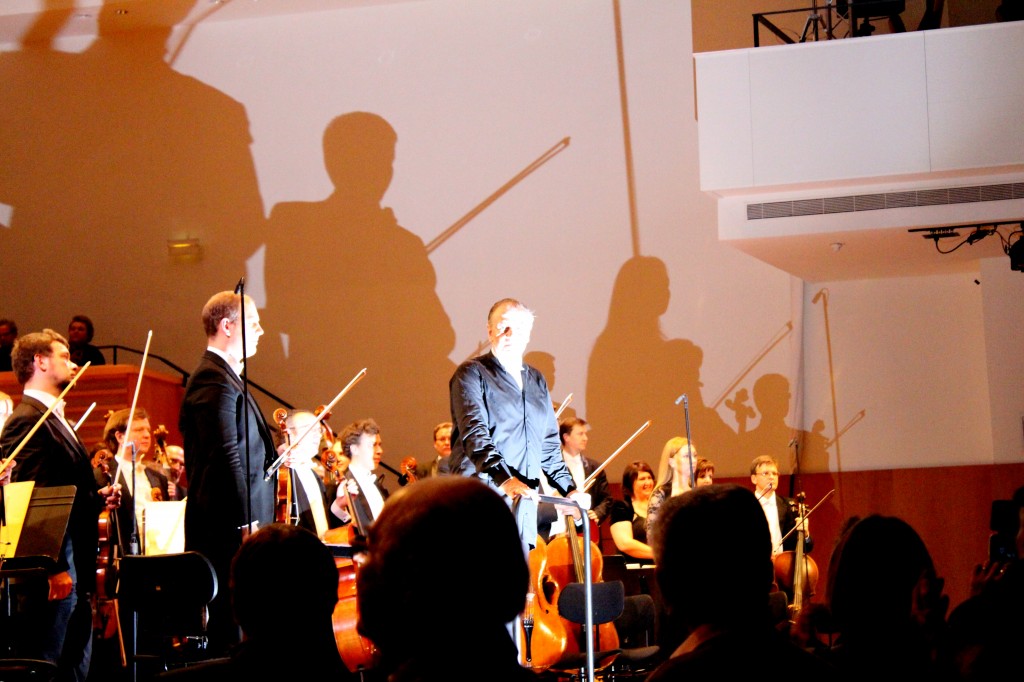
x=768, y=474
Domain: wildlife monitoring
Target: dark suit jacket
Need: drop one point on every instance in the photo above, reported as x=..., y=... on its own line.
x=600, y=497
x=787, y=519
x=360, y=506
x=54, y=457
x=212, y=424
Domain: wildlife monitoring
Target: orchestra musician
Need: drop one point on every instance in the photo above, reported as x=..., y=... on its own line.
x=54, y=456
x=505, y=430
x=359, y=442
x=674, y=474
x=228, y=496
x=780, y=511
x=152, y=484
x=313, y=511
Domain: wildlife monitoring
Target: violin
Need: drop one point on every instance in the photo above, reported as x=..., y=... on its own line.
x=329, y=453
x=407, y=469
x=160, y=434
x=283, y=499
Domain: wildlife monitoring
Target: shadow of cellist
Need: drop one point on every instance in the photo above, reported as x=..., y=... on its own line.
x=636, y=374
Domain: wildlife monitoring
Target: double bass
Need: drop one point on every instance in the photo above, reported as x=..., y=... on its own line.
x=796, y=573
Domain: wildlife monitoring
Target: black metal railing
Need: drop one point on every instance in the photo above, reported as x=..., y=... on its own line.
x=115, y=348
x=823, y=19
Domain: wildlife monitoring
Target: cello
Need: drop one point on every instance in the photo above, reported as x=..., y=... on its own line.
x=543, y=631
x=566, y=563
x=796, y=573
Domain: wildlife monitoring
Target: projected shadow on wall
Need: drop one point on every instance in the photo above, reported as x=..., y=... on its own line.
x=636, y=374
x=348, y=287
x=109, y=153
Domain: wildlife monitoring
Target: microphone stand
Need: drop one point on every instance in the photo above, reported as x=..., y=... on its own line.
x=240, y=290
x=133, y=548
x=689, y=445
x=588, y=581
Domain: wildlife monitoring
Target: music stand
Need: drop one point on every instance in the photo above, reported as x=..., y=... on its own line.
x=40, y=535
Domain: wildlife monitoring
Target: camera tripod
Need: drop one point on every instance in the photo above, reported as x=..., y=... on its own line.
x=815, y=20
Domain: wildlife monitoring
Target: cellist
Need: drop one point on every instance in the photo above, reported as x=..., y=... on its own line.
x=780, y=511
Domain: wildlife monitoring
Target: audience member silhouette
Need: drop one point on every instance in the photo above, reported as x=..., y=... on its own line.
x=886, y=602
x=438, y=633
x=287, y=630
x=986, y=630
x=713, y=555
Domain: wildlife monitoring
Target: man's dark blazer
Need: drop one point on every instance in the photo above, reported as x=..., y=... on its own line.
x=360, y=506
x=55, y=457
x=212, y=424
x=787, y=519
x=124, y=513
x=600, y=497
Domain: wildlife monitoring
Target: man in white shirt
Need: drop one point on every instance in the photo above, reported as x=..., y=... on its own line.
x=780, y=511
x=573, y=434
x=309, y=500
x=151, y=484
x=359, y=442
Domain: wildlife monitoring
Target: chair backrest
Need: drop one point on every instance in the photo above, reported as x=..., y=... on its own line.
x=174, y=588
x=608, y=598
x=635, y=625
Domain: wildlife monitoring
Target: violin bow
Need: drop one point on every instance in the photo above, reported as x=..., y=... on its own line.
x=593, y=476
x=808, y=514
x=561, y=408
x=272, y=469
x=7, y=462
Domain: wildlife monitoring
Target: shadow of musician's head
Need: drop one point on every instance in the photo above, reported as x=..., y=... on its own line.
x=444, y=557
x=359, y=155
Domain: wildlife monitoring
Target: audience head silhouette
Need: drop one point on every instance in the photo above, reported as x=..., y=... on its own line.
x=733, y=566
x=297, y=556
x=413, y=544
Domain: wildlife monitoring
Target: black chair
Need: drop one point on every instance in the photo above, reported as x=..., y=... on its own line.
x=162, y=602
x=635, y=626
x=608, y=601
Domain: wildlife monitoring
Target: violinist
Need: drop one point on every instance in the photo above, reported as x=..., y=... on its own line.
x=150, y=483
x=313, y=510
x=61, y=631
x=360, y=441
x=674, y=474
x=780, y=511
x=176, y=469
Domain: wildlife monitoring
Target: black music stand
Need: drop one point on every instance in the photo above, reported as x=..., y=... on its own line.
x=39, y=546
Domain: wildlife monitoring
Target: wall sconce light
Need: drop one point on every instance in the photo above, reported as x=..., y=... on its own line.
x=184, y=250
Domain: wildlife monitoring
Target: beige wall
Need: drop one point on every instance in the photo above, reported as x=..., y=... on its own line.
x=110, y=151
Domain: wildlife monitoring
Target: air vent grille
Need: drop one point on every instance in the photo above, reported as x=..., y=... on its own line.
x=877, y=202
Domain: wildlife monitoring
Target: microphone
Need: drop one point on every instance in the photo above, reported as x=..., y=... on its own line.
x=765, y=492
x=682, y=399
x=241, y=285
